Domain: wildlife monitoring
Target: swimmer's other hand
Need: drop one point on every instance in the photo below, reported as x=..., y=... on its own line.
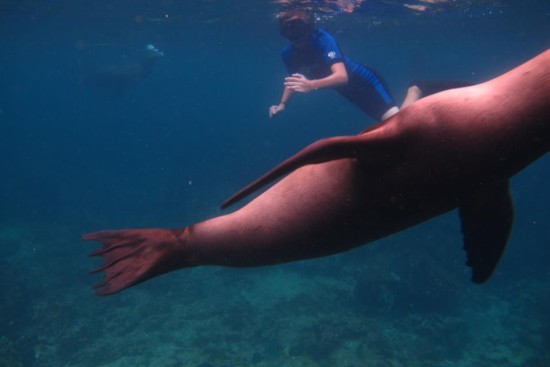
x=274, y=110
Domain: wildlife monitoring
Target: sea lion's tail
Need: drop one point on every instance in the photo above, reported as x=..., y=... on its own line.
x=132, y=256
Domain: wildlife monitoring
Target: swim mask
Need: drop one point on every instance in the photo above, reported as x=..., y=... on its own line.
x=295, y=30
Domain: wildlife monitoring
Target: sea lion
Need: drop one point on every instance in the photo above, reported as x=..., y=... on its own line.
x=454, y=149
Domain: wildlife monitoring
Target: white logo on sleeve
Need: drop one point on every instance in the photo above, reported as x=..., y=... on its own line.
x=331, y=55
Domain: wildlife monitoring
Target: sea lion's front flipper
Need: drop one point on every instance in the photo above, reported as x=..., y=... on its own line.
x=321, y=151
x=487, y=219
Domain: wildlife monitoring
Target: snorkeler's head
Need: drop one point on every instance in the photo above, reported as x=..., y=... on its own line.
x=296, y=25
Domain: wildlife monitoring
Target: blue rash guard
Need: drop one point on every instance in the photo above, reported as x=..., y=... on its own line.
x=365, y=88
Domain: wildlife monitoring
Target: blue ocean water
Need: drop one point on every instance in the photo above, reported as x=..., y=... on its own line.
x=82, y=150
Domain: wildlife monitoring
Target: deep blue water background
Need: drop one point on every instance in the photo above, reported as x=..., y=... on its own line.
x=169, y=149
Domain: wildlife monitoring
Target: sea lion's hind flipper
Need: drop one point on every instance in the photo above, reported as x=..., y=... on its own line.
x=487, y=219
x=132, y=256
x=321, y=151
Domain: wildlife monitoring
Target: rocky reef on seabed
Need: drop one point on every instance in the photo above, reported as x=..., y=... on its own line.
x=393, y=307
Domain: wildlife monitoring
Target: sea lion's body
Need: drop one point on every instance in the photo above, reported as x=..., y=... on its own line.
x=452, y=149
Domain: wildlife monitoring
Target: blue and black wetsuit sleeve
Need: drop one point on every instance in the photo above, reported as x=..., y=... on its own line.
x=328, y=47
x=290, y=60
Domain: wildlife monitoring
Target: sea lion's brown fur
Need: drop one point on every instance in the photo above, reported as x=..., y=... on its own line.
x=453, y=149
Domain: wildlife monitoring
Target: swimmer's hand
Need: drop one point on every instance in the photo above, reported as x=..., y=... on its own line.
x=274, y=110
x=299, y=83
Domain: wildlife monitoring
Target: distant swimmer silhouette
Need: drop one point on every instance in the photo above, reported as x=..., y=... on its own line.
x=120, y=77
x=451, y=150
